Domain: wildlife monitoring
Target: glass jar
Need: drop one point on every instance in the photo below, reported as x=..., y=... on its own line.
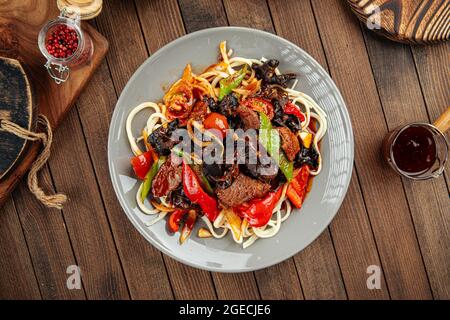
x=65, y=45
x=419, y=146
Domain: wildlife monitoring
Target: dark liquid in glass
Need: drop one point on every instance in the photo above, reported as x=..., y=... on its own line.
x=414, y=150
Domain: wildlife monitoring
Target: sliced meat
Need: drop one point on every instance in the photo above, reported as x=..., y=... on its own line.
x=289, y=143
x=167, y=179
x=249, y=118
x=242, y=190
x=265, y=168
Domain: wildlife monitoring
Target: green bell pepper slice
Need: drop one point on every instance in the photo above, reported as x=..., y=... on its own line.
x=147, y=184
x=270, y=140
x=232, y=82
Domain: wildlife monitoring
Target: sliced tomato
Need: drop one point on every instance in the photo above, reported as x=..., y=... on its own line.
x=179, y=101
x=291, y=108
x=216, y=121
x=260, y=105
x=141, y=164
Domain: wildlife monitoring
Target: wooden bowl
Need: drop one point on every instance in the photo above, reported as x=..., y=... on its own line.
x=408, y=21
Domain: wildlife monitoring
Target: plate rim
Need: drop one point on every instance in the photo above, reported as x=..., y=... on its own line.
x=133, y=219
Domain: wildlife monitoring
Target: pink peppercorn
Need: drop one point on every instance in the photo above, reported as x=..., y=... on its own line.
x=62, y=42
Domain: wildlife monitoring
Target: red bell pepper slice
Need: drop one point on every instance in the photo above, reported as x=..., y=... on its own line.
x=175, y=219
x=189, y=222
x=291, y=108
x=259, y=211
x=297, y=188
x=141, y=164
x=193, y=190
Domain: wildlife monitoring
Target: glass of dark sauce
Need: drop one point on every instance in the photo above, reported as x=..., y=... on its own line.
x=418, y=150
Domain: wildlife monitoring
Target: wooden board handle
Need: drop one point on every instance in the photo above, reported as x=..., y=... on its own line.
x=443, y=122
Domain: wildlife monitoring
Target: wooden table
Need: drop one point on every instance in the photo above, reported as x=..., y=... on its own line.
x=401, y=226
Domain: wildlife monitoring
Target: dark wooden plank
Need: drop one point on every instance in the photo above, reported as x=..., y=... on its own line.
x=84, y=214
x=142, y=263
x=122, y=66
x=250, y=13
x=189, y=283
x=152, y=14
x=386, y=204
x=236, y=286
x=428, y=200
x=48, y=242
x=17, y=278
x=279, y=282
x=126, y=49
x=355, y=246
x=351, y=232
x=318, y=270
x=202, y=14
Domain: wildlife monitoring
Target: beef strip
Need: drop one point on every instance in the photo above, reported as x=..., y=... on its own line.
x=289, y=143
x=250, y=118
x=242, y=190
x=167, y=179
x=265, y=168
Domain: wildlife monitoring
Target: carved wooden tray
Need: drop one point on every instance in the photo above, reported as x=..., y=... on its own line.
x=409, y=21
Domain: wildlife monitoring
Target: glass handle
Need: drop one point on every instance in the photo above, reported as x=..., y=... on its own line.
x=57, y=72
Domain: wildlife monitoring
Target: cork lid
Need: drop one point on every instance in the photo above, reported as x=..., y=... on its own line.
x=88, y=9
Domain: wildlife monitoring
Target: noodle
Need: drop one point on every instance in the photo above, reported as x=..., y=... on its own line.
x=208, y=82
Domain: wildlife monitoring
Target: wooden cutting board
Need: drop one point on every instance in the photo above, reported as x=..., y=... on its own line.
x=408, y=21
x=20, y=22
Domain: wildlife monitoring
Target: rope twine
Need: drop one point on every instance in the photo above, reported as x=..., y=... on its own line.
x=49, y=200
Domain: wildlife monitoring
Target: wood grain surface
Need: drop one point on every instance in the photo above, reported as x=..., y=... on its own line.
x=410, y=21
x=20, y=23
x=384, y=221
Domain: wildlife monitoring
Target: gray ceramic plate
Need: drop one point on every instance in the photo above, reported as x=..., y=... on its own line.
x=329, y=188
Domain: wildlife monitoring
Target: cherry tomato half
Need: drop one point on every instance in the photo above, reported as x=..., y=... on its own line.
x=141, y=164
x=216, y=121
x=260, y=105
